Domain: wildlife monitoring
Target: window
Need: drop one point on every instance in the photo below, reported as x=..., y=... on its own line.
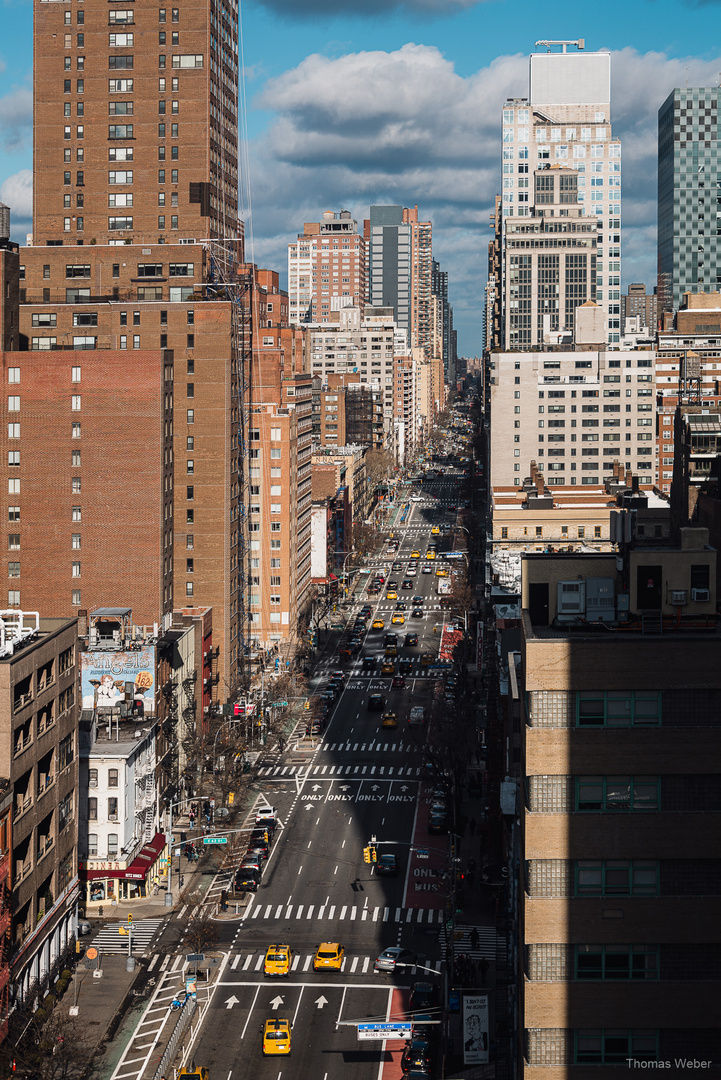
x=618, y=708
x=13, y=541
x=13, y=457
x=112, y=837
x=65, y=811
x=189, y=588
x=66, y=751
x=188, y=60
x=616, y=877
x=76, y=569
x=112, y=813
x=93, y=804
x=616, y=962
x=191, y=416
x=596, y=1046
x=112, y=777
x=92, y=777
x=76, y=597
x=615, y=793
x=13, y=513
x=189, y=493
x=75, y=541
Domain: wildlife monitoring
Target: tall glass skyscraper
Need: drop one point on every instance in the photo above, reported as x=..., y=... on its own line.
x=689, y=195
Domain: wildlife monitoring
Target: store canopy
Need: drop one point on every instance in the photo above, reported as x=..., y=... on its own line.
x=138, y=868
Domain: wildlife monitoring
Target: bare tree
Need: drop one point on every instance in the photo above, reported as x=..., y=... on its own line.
x=202, y=933
x=53, y=1046
x=365, y=538
x=379, y=464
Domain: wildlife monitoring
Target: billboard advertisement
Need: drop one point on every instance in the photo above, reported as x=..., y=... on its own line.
x=475, y=1029
x=105, y=675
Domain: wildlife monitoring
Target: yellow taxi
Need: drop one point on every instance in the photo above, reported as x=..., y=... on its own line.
x=377, y=624
x=195, y=1073
x=435, y=531
x=388, y=668
x=390, y=720
x=426, y=660
x=391, y=650
x=276, y=1036
x=441, y=572
x=430, y=554
x=328, y=956
x=392, y=595
x=278, y=959
x=415, y=554
x=398, y=620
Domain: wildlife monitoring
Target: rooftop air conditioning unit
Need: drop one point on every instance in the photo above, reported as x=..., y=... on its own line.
x=571, y=599
x=678, y=597
x=700, y=594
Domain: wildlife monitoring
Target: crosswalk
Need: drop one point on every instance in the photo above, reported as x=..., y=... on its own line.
x=485, y=945
x=262, y=912
x=351, y=965
x=355, y=772
x=110, y=940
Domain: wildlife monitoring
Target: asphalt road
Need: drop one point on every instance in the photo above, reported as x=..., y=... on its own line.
x=359, y=781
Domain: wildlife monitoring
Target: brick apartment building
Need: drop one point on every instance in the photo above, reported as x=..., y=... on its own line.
x=137, y=252
x=108, y=172
x=618, y=846
x=39, y=757
x=326, y=268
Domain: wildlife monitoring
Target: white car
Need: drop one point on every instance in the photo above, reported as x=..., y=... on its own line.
x=416, y=498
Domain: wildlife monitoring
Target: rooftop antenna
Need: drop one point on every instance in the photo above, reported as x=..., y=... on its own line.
x=580, y=44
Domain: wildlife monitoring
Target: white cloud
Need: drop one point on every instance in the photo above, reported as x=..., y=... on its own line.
x=16, y=118
x=17, y=193
x=404, y=127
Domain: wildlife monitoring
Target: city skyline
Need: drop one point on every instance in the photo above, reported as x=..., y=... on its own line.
x=439, y=146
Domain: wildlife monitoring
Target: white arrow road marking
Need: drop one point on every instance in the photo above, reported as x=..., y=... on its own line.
x=276, y=1002
x=231, y=1001
x=321, y=1001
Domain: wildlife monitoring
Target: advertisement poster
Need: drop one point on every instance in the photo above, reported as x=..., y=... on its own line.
x=475, y=1029
x=106, y=674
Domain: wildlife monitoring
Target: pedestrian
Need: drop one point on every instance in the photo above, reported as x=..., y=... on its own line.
x=474, y=939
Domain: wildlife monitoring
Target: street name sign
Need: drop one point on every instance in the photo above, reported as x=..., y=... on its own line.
x=215, y=839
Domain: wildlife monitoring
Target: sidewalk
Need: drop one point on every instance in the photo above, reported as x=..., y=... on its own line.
x=110, y=1005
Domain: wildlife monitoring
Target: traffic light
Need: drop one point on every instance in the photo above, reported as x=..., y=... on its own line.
x=366, y=854
x=374, y=854
x=130, y=920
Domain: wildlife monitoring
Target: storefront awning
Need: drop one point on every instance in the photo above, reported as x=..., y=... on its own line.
x=138, y=868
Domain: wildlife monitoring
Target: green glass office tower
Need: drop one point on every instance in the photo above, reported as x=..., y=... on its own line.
x=689, y=195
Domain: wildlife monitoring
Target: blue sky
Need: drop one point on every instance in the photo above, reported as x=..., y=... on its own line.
x=353, y=102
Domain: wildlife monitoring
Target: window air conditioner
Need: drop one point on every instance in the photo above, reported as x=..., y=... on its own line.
x=678, y=596
x=700, y=594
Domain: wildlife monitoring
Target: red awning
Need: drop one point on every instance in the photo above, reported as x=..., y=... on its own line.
x=332, y=577
x=136, y=871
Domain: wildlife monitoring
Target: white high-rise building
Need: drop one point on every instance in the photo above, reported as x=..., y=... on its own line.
x=566, y=120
